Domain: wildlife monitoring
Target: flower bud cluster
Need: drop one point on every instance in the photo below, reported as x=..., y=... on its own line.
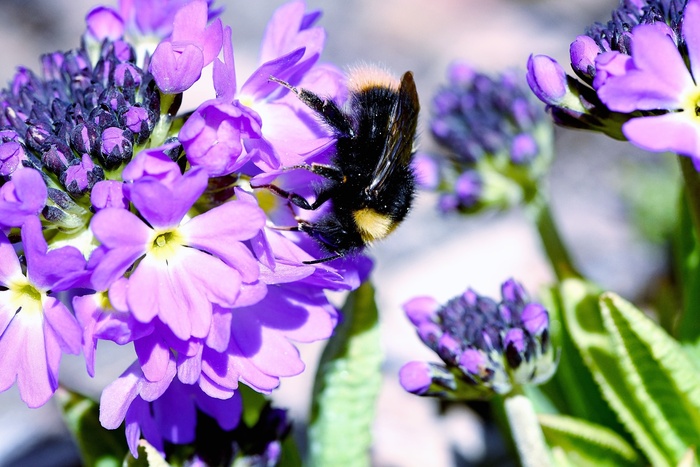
x=495, y=135
x=487, y=347
x=76, y=122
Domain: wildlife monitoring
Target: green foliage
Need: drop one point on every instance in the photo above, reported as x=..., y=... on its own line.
x=346, y=387
x=643, y=374
x=578, y=442
x=98, y=446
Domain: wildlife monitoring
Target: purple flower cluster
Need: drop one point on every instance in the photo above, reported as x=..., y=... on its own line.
x=487, y=347
x=638, y=77
x=494, y=133
x=146, y=222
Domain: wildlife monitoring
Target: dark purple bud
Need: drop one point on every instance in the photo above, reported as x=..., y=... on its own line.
x=138, y=120
x=103, y=118
x=52, y=66
x=16, y=119
x=114, y=99
x=535, y=319
x=513, y=292
x=514, y=345
x=81, y=176
x=127, y=75
x=523, y=149
x=57, y=158
x=429, y=333
x=103, y=71
x=108, y=194
x=84, y=137
x=448, y=348
x=116, y=147
x=39, y=135
x=547, y=79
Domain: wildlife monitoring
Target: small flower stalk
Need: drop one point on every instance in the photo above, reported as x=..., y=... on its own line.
x=487, y=348
x=496, y=140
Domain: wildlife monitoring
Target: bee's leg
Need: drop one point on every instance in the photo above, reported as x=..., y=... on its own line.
x=298, y=200
x=323, y=260
x=326, y=108
x=313, y=232
x=326, y=171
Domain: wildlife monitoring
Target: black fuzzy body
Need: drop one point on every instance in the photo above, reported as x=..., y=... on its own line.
x=370, y=171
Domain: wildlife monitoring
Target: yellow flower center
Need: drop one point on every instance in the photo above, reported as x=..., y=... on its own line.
x=25, y=297
x=165, y=244
x=692, y=103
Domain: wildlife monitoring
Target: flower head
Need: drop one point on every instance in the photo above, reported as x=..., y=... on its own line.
x=635, y=80
x=146, y=217
x=487, y=347
x=655, y=78
x=35, y=327
x=496, y=137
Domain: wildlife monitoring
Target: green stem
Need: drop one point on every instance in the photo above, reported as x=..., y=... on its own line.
x=554, y=247
x=526, y=431
x=691, y=179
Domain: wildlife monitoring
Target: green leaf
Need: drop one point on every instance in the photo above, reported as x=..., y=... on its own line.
x=347, y=385
x=573, y=389
x=661, y=381
x=687, y=262
x=583, y=443
x=583, y=320
x=98, y=446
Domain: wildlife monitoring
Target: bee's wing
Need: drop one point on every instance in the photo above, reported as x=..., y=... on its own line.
x=401, y=133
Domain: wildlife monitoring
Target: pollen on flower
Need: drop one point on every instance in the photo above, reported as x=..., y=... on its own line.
x=165, y=244
x=692, y=103
x=26, y=297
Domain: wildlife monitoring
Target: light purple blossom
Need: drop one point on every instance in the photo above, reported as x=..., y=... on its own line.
x=35, y=327
x=188, y=264
x=260, y=121
x=656, y=78
x=22, y=197
x=177, y=62
x=149, y=408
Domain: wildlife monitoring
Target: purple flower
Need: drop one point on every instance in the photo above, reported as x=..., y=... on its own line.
x=260, y=122
x=657, y=78
x=547, y=79
x=178, y=61
x=497, y=138
x=138, y=19
x=21, y=198
x=486, y=347
x=188, y=264
x=164, y=411
x=35, y=327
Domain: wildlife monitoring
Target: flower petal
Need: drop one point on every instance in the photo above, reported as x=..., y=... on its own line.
x=659, y=80
x=670, y=132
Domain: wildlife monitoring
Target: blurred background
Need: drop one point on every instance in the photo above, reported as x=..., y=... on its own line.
x=594, y=184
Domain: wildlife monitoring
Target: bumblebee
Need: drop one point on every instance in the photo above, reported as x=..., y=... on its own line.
x=370, y=182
